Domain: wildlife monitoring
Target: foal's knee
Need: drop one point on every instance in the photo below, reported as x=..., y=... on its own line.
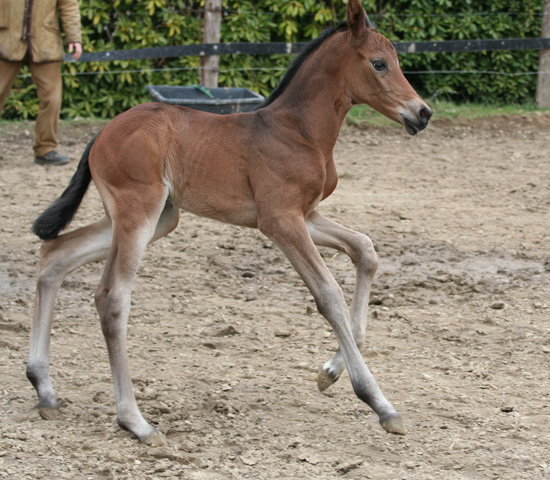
x=330, y=300
x=365, y=257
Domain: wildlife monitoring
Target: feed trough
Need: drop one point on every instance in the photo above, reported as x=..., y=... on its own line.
x=216, y=100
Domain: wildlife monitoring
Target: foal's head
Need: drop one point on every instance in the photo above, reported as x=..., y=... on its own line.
x=375, y=77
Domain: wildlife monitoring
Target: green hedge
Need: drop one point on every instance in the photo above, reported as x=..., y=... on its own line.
x=104, y=89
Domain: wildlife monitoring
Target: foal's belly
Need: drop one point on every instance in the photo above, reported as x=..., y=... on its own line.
x=232, y=204
x=244, y=215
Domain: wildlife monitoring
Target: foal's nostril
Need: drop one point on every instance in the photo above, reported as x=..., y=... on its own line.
x=424, y=114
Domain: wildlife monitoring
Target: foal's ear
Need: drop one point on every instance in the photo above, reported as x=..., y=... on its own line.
x=357, y=18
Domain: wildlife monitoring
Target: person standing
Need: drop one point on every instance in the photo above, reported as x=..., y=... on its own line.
x=30, y=35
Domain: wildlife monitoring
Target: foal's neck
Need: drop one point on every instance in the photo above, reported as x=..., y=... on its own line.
x=316, y=101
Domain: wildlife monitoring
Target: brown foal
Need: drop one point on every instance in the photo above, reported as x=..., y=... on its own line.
x=266, y=169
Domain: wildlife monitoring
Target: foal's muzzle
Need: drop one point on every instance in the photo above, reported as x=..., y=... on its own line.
x=418, y=122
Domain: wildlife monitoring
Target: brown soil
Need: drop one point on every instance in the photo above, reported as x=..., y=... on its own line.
x=225, y=341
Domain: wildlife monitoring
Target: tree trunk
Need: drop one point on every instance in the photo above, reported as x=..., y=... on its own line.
x=543, y=84
x=212, y=25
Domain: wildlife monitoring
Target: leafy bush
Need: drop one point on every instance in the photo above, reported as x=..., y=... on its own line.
x=104, y=89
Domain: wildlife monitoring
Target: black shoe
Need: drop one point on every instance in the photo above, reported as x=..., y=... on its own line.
x=52, y=158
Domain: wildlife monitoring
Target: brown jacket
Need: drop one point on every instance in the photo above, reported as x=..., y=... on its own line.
x=33, y=26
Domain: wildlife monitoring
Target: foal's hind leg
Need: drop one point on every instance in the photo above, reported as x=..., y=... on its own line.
x=133, y=229
x=359, y=248
x=58, y=258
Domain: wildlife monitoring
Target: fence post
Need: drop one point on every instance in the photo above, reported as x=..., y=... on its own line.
x=212, y=26
x=543, y=81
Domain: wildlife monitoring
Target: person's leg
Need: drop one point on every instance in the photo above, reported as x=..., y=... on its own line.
x=47, y=78
x=8, y=72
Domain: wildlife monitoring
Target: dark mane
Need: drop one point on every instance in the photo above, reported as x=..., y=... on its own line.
x=300, y=59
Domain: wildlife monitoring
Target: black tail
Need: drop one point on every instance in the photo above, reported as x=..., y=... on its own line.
x=59, y=214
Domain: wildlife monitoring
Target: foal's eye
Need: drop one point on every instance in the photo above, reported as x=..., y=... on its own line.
x=379, y=65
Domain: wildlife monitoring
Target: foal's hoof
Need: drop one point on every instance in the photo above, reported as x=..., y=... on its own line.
x=48, y=413
x=393, y=424
x=325, y=378
x=155, y=439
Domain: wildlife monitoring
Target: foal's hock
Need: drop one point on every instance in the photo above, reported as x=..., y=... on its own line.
x=266, y=169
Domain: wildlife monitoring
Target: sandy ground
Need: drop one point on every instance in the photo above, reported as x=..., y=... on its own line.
x=225, y=341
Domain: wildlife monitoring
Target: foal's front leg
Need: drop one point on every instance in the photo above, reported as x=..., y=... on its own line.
x=290, y=233
x=359, y=248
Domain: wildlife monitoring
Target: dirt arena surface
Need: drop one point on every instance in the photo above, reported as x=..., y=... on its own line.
x=225, y=341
